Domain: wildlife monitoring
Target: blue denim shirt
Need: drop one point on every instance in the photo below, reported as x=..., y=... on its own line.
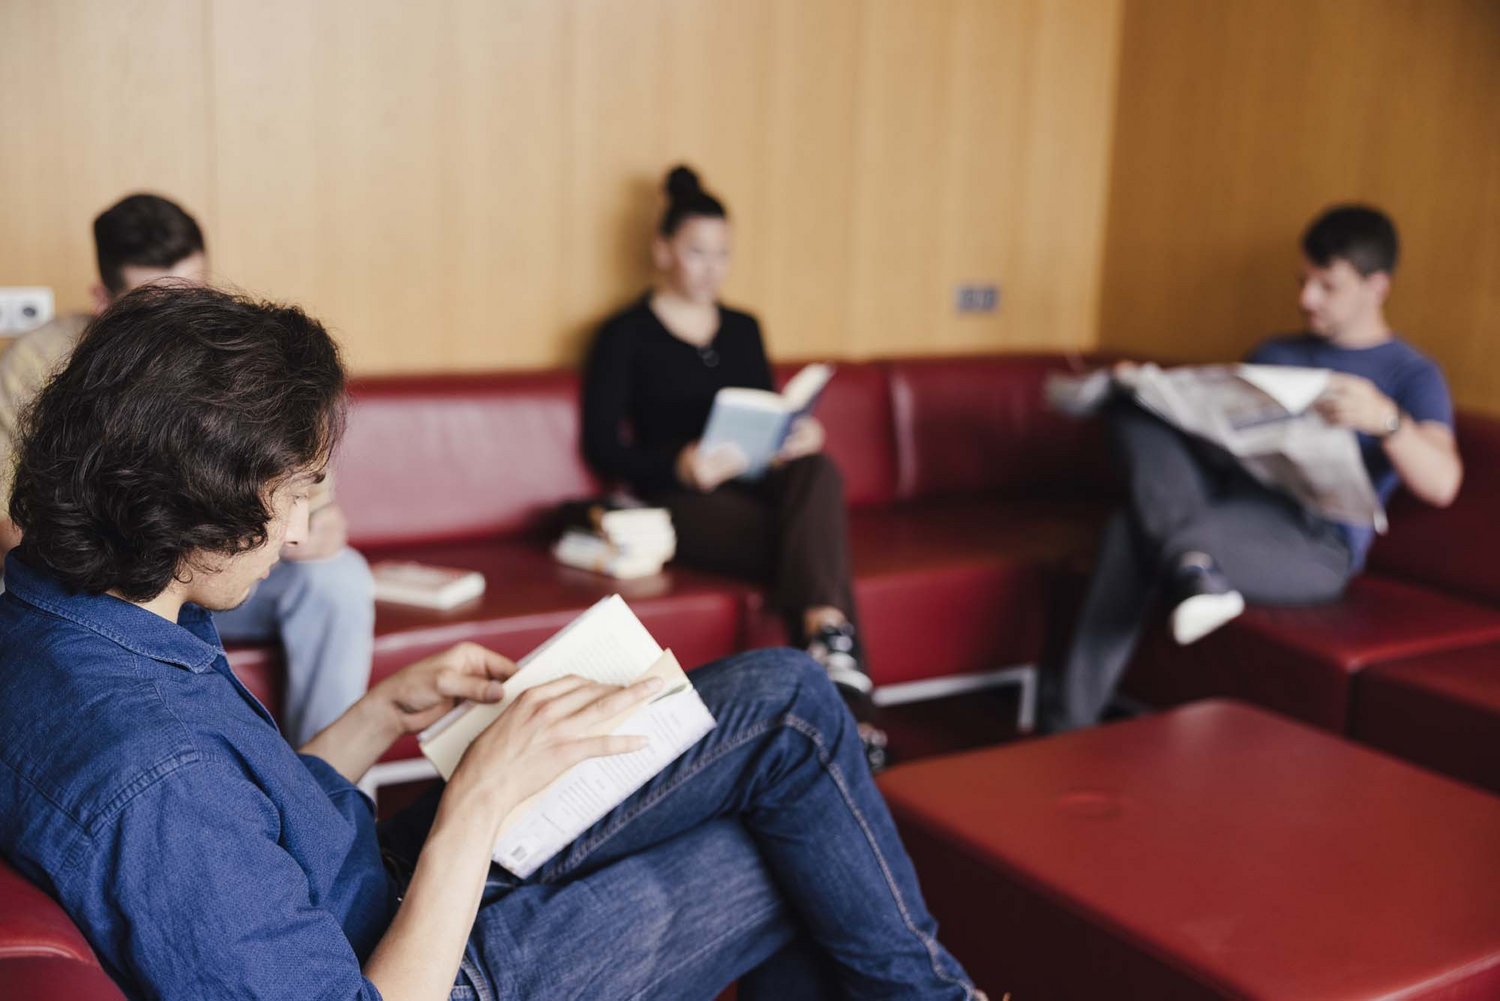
x=145, y=789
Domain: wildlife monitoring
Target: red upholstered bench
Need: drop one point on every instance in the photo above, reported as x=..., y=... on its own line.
x=1441, y=711
x=1213, y=851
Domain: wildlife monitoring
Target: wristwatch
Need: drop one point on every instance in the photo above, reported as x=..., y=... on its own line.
x=1392, y=423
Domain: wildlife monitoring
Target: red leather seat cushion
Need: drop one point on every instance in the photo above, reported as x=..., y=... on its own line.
x=1441, y=711
x=33, y=924
x=855, y=410
x=1447, y=548
x=952, y=587
x=47, y=978
x=1213, y=851
x=980, y=425
x=1300, y=661
x=459, y=456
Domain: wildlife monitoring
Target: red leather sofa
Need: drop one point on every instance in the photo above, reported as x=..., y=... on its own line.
x=973, y=508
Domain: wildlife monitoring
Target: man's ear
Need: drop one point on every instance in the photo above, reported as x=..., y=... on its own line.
x=1380, y=285
x=101, y=297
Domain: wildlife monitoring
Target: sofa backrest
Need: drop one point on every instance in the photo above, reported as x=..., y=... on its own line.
x=1447, y=548
x=459, y=456
x=428, y=458
x=978, y=425
x=855, y=410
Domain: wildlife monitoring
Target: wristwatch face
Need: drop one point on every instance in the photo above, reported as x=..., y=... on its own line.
x=1393, y=423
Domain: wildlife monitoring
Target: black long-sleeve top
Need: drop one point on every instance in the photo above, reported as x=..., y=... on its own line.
x=647, y=393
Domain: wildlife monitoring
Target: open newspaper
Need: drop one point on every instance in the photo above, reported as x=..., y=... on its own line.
x=606, y=644
x=1263, y=416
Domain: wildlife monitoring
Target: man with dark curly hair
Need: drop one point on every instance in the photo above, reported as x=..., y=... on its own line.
x=319, y=602
x=161, y=475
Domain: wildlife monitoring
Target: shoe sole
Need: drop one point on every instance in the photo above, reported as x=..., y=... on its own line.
x=1201, y=614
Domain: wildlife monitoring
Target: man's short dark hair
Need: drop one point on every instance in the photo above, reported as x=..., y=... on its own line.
x=179, y=412
x=147, y=231
x=1359, y=234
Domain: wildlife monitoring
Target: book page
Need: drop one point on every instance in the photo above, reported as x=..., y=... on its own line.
x=607, y=644
x=804, y=388
x=546, y=823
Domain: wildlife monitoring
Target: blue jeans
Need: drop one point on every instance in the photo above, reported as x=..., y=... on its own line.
x=323, y=612
x=766, y=841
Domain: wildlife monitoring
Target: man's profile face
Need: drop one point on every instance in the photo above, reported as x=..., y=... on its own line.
x=1336, y=297
x=224, y=582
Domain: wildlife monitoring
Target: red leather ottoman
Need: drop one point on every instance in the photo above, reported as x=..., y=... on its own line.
x=1214, y=851
x=1441, y=711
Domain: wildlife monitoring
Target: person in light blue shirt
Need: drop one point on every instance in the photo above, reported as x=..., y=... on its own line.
x=1200, y=531
x=144, y=788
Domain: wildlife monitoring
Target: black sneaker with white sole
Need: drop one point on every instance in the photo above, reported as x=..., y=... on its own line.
x=836, y=648
x=1203, y=599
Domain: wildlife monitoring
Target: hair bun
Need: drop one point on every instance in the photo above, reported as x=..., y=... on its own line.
x=682, y=183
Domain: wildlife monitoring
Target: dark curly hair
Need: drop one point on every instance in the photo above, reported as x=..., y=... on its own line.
x=180, y=411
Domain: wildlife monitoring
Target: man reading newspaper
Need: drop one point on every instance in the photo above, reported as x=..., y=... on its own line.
x=1200, y=527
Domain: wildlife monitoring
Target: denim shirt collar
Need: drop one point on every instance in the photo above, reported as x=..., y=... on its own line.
x=191, y=642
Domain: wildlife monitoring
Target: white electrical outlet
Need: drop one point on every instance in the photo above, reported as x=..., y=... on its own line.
x=23, y=309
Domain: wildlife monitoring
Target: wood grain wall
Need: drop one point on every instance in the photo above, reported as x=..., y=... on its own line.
x=1237, y=122
x=472, y=184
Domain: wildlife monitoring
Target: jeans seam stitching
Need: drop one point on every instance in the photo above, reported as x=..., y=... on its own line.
x=929, y=944
x=810, y=732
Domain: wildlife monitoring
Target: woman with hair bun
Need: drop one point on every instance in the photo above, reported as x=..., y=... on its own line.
x=650, y=384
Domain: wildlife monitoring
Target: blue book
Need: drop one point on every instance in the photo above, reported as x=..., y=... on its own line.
x=757, y=422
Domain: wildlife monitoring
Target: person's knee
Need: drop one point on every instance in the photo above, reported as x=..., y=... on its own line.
x=822, y=467
x=778, y=676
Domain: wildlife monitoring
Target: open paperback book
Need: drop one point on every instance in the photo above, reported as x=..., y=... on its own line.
x=757, y=421
x=606, y=644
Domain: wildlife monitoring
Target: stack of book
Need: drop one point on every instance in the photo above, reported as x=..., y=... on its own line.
x=616, y=538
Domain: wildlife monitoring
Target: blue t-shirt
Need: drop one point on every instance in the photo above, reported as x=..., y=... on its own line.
x=1399, y=371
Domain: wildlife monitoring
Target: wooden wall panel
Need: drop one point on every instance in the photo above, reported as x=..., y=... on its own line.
x=96, y=100
x=1239, y=122
x=469, y=184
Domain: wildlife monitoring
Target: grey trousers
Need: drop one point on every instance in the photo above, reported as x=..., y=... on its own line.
x=1184, y=496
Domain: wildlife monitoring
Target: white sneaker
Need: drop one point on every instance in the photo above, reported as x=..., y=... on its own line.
x=1200, y=614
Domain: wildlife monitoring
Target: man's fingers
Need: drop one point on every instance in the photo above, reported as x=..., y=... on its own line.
x=496, y=666
x=622, y=699
x=533, y=699
x=600, y=747
x=455, y=685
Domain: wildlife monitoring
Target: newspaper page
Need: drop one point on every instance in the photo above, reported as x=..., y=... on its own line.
x=1263, y=416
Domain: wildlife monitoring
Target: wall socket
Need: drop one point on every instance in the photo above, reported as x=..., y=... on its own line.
x=977, y=298
x=23, y=309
